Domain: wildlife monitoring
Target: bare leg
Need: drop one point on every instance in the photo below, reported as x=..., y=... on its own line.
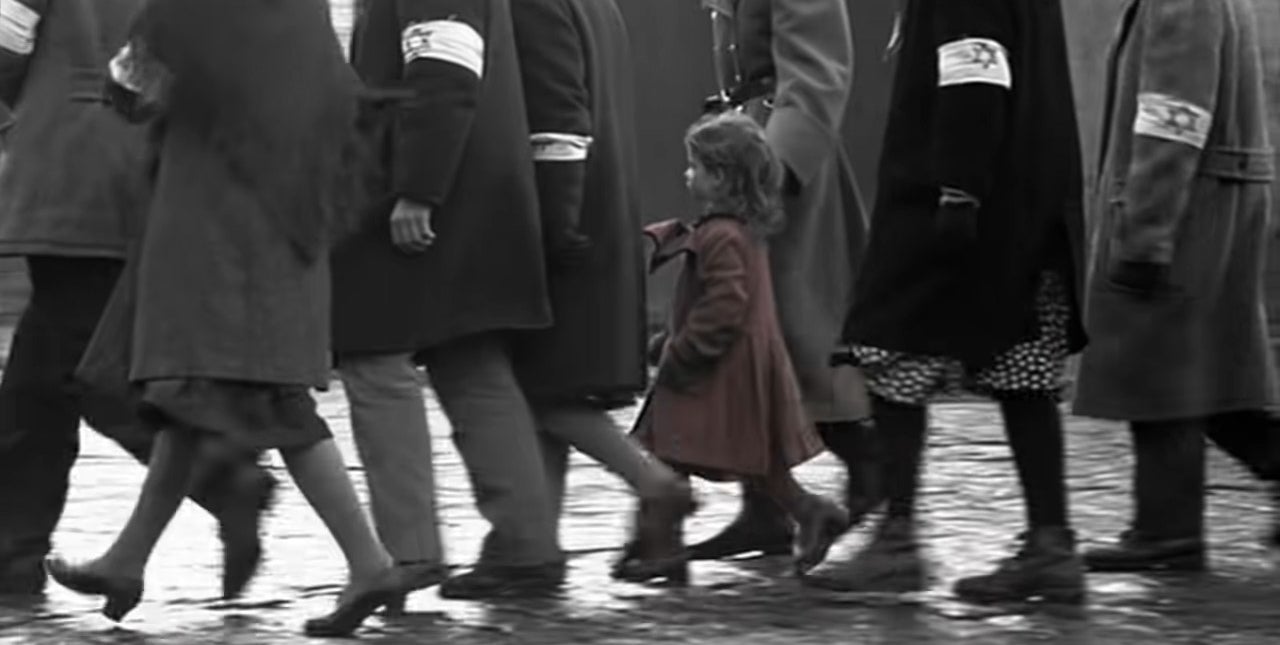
x=321, y=475
x=163, y=490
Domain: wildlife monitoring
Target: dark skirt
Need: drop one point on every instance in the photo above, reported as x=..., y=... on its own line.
x=255, y=416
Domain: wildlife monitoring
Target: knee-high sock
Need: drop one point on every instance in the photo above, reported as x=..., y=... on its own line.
x=901, y=429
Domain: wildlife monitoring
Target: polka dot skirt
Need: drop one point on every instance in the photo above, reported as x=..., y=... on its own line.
x=1035, y=365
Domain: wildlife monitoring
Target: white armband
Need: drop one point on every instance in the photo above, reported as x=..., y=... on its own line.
x=1167, y=117
x=450, y=41
x=974, y=60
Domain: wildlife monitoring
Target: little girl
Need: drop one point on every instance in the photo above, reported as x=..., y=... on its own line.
x=726, y=405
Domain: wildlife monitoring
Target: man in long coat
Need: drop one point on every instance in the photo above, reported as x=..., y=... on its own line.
x=971, y=274
x=449, y=265
x=575, y=64
x=789, y=63
x=71, y=191
x=1175, y=298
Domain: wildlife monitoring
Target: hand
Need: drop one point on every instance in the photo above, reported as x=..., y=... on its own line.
x=956, y=225
x=411, y=227
x=1144, y=278
x=843, y=356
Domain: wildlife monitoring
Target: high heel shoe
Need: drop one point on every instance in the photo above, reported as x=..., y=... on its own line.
x=121, y=594
x=823, y=523
x=356, y=607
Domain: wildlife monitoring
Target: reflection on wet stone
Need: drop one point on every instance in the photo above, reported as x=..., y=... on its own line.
x=971, y=513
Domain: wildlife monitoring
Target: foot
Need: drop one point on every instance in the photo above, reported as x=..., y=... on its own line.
x=417, y=576
x=122, y=593
x=891, y=563
x=239, y=526
x=24, y=579
x=1046, y=568
x=821, y=524
x=1137, y=553
x=672, y=570
x=765, y=530
x=486, y=582
x=357, y=602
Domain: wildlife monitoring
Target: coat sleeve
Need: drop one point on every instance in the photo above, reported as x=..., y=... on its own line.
x=444, y=44
x=974, y=43
x=813, y=60
x=19, y=31
x=553, y=68
x=716, y=319
x=1177, y=90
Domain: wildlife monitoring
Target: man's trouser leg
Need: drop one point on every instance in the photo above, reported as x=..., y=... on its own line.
x=494, y=431
x=39, y=414
x=389, y=424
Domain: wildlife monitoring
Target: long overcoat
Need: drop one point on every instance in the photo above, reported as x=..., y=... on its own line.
x=726, y=403
x=790, y=63
x=576, y=67
x=1268, y=21
x=229, y=280
x=981, y=102
x=71, y=178
x=1184, y=182
x=459, y=145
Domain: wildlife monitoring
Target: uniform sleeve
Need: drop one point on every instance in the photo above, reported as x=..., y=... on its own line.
x=1176, y=101
x=138, y=83
x=553, y=68
x=813, y=59
x=717, y=318
x=444, y=44
x=19, y=30
x=973, y=40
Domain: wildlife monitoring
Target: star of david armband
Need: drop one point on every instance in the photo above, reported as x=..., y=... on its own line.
x=449, y=41
x=974, y=60
x=1168, y=117
x=18, y=22
x=559, y=146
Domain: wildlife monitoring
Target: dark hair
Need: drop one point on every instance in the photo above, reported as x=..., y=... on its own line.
x=732, y=146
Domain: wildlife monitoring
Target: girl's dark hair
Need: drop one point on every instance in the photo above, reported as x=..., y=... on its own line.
x=732, y=147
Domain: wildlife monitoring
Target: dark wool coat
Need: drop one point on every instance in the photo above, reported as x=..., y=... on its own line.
x=576, y=65
x=461, y=146
x=71, y=177
x=999, y=125
x=791, y=63
x=726, y=403
x=1184, y=182
x=1268, y=21
x=221, y=286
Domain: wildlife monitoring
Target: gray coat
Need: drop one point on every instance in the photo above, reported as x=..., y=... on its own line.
x=1185, y=182
x=72, y=176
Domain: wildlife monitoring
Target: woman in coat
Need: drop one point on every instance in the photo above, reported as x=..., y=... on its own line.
x=575, y=64
x=970, y=278
x=1175, y=297
x=72, y=189
x=789, y=63
x=228, y=303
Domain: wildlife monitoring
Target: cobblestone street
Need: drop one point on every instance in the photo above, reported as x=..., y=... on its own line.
x=972, y=513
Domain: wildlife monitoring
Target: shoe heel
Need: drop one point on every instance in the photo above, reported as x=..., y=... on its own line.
x=118, y=605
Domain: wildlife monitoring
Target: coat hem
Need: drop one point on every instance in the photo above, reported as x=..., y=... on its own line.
x=1107, y=413
x=61, y=249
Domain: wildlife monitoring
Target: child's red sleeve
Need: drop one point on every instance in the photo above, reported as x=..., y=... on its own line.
x=716, y=318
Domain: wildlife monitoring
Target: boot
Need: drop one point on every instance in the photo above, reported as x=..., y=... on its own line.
x=1046, y=567
x=891, y=563
x=1253, y=439
x=1168, y=486
x=856, y=445
x=236, y=491
x=761, y=527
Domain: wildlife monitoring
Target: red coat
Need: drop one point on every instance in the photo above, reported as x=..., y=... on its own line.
x=726, y=403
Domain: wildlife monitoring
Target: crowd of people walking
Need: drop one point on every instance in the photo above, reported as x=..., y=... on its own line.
x=212, y=231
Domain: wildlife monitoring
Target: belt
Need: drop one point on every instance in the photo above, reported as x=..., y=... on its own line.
x=1253, y=165
x=740, y=94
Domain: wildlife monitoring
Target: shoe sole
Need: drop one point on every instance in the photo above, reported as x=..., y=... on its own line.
x=1179, y=564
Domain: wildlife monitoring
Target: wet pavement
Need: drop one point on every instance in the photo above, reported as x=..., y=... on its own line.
x=971, y=508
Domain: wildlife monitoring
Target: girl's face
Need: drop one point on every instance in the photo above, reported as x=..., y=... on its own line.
x=700, y=181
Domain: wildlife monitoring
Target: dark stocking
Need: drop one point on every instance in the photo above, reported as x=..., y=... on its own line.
x=1033, y=426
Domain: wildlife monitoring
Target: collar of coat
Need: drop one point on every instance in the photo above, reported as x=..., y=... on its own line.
x=673, y=238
